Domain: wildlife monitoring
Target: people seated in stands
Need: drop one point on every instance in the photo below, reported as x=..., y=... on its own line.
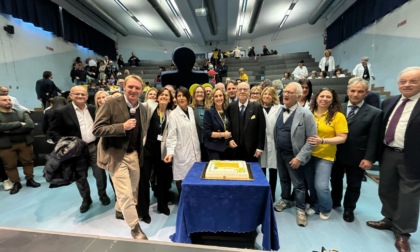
x=364, y=69
x=16, y=105
x=106, y=60
x=222, y=70
x=133, y=60
x=251, y=51
x=338, y=74
x=255, y=95
x=231, y=89
x=300, y=72
x=111, y=79
x=102, y=69
x=111, y=69
x=265, y=51
x=327, y=62
x=287, y=76
x=80, y=75
x=242, y=75
x=323, y=75
x=305, y=98
x=161, y=69
x=313, y=75
x=205, y=65
x=212, y=74
x=146, y=87
x=16, y=144
x=215, y=57
x=273, y=52
x=120, y=61
x=126, y=73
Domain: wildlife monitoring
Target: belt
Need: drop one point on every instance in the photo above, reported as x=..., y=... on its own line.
x=396, y=149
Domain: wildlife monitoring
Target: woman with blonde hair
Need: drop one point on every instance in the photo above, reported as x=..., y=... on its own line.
x=100, y=98
x=216, y=124
x=151, y=95
x=255, y=94
x=327, y=63
x=198, y=102
x=268, y=160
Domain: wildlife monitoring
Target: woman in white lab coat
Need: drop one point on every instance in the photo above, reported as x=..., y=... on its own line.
x=182, y=144
x=268, y=160
x=327, y=63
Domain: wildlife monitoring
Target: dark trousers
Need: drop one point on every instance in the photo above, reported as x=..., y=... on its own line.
x=10, y=156
x=297, y=177
x=163, y=174
x=272, y=178
x=216, y=155
x=399, y=193
x=354, y=176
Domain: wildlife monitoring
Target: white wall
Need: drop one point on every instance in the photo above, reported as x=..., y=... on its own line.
x=25, y=55
x=390, y=48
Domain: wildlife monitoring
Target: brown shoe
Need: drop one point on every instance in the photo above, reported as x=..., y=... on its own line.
x=402, y=244
x=137, y=233
x=381, y=225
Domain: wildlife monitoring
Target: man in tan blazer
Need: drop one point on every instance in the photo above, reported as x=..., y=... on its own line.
x=121, y=124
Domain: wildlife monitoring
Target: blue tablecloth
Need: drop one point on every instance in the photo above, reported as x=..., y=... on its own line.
x=226, y=206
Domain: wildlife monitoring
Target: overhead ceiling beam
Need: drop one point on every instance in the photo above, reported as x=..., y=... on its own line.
x=156, y=5
x=96, y=10
x=211, y=16
x=255, y=15
x=319, y=10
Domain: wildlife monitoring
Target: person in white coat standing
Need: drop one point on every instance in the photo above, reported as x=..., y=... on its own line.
x=182, y=144
x=327, y=63
x=271, y=106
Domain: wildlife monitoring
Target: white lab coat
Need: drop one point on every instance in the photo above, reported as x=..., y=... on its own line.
x=182, y=142
x=300, y=73
x=269, y=156
x=359, y=70
x=331, y=64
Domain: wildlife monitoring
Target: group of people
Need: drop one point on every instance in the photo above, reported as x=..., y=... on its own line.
x=307, y=140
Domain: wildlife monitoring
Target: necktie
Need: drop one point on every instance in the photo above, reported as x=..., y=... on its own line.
x=392, y=126
x=352, y=112
x=242, y=110
x=286, y=110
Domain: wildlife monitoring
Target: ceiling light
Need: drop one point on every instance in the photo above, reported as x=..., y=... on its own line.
x=283, y=21
x=244, y=4
x=147, y=30
x=171, y=6
x=240, y=30
x=121, y=5
x=187, y=33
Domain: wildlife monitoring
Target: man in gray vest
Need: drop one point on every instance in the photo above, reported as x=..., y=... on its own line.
x=294, y=125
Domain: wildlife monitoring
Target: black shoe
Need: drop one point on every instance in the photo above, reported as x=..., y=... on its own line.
x=146, y=219
x=85, y=205
x=164, y=210
x=105, y=200
x=32, y=183
x=348, y=215
x=119, y=215
x=16, y=187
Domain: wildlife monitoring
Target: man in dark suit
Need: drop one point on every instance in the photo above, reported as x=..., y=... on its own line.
x=399, y=184
x=45, y=88
x=247, y=124
x=76, y=119
x=359, y=151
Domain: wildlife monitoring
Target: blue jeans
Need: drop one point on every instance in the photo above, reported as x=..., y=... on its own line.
x=322, y=169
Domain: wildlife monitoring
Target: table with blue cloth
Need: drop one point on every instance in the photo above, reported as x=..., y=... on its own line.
x=226, y=206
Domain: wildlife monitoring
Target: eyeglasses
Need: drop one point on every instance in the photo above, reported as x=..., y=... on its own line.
x=243, y=89
x=79, y=94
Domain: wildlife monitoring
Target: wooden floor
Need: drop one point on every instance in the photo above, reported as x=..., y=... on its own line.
x=57, y=210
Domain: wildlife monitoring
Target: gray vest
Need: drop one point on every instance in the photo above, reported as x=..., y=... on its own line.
x=283, y=136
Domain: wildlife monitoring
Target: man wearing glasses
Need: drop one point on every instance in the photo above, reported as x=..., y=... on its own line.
x=247, y=124
x=76, y=119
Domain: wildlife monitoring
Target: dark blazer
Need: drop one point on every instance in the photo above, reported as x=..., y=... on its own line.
x=213, y=123
x=362, y=138
x=64, y=122
x=45, y=89
x=254, y=126
x=411, y=138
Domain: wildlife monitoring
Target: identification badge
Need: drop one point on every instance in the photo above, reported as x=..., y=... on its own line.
x=159, y=138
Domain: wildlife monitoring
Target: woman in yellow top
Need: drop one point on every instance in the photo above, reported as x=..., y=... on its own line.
x=242, y=75
x=332, y=130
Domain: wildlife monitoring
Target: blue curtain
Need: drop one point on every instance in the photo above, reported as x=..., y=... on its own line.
x=41, y=13
x=78, y=32
x=360, y=15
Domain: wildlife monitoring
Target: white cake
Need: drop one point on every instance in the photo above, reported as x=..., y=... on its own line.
x=229, y=170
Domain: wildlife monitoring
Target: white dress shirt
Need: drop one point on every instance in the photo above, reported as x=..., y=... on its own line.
x=85, y=123
x=402, y=123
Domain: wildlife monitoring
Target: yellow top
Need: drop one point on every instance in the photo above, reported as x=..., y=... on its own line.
x=243, y=77
x=337, y=125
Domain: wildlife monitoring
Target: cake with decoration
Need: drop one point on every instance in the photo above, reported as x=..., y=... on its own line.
x=227, y=170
